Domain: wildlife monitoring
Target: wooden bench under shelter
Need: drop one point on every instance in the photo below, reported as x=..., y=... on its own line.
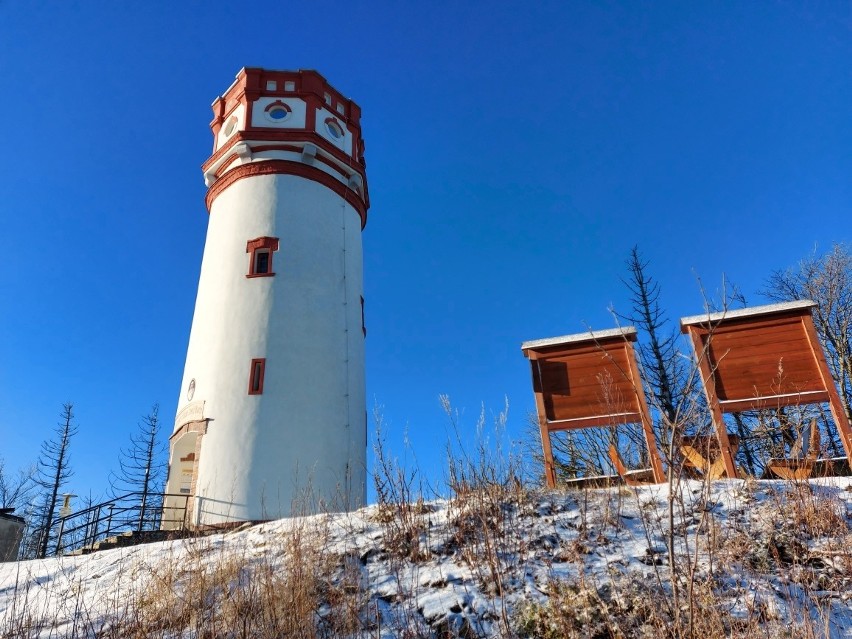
x=591, y=380
x=702, y=455
x=802, y=459
x=764, y=357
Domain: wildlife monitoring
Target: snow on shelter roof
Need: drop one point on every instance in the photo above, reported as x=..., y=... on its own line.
x=576, y=338
x=746, y=312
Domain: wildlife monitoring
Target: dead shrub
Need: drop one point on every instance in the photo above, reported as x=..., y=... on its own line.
x=814, y=511
x=574, y=611
x=627, y=608
x=298, y=590
x=400, y=507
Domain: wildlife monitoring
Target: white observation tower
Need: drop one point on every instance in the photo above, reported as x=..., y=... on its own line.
x=272, y=414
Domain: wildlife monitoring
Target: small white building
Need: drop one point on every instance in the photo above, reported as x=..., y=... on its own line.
x=272, y=412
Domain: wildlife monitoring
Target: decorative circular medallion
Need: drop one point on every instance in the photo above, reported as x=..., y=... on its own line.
x=190, y=391
x=334, y=129
x=230, y=125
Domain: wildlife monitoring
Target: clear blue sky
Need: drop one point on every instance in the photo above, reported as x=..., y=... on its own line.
x=516, y=152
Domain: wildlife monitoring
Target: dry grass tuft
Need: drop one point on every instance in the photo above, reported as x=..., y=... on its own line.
x=816, y=512
x=294, y=588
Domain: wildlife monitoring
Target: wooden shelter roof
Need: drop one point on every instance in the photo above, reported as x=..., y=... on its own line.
x=624, y=332
x=743, y=313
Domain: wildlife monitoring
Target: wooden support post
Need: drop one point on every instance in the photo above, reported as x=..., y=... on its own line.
x=645, y=415
x=702, y=353
x=546, y=449
x=835, y=405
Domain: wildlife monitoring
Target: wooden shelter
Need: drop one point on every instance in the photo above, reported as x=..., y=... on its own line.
x=589, y=380
x=765, y=357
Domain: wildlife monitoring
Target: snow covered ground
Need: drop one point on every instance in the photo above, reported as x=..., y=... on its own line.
x=751, y=557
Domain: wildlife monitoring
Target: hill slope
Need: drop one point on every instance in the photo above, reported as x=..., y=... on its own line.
x=751, y=558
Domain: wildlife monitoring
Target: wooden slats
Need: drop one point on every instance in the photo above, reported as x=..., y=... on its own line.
x=748, y=387
x=760, y=323
x=750, y=372
x=740, y=338
x=755, y=358
x=592, y=422
x=550, y=377
x=587, y=385
x=592, y=400
x=774, y=401
x=766, y=361
x=592, y=363
x=789, y=362
x=565, y=378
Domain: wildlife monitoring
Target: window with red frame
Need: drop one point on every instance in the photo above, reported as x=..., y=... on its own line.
x=260, y=252
x=256, y=373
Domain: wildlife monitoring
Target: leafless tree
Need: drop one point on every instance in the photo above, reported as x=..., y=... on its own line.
x=142, y=467
x=15, y=488
x=827, y=280
x=52, y=473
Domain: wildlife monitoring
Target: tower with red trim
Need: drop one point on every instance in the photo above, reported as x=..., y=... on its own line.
x=272, y=409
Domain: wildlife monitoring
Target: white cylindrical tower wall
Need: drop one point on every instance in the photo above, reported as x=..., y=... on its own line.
x=295, y=438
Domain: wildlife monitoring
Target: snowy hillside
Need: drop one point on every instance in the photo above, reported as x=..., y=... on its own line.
x=752, y=558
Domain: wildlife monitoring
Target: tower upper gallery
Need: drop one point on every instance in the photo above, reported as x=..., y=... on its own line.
x=290, y=122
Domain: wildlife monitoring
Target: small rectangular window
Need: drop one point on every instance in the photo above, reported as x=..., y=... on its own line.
x=260, y=252
x=261, y=262
x=258, y=368
x=271, y=85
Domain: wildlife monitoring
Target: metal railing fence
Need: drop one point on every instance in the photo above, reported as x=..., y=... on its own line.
x=132, y=512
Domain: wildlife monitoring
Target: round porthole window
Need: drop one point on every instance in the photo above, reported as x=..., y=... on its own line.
x=334, y=129
x=277, y=111
x=190, y=391
x=230, y=125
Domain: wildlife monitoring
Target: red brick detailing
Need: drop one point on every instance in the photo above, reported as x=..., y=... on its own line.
x=314, y=103
x=256, y=375
x=310, y=86
x=262, y=242
x=286, y=167
x=297, y=149
x=267, y=244
x=199, y=427
x=225, y=165
x=335, y=123
x=257, y=148
x=291, y=135
x=278, y=103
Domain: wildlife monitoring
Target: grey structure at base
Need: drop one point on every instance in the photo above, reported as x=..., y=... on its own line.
x=11, y=533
